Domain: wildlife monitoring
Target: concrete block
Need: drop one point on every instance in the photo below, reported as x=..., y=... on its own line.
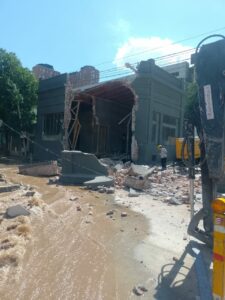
x=4, y=188
x=49, y=168
x=79, y=167
x=17, y=210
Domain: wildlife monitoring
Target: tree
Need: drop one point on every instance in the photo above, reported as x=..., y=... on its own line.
x=18, y=94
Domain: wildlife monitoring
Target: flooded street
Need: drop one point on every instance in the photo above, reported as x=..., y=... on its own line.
x=76, y=251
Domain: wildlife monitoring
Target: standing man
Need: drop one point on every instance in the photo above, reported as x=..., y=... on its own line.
x=163, y=156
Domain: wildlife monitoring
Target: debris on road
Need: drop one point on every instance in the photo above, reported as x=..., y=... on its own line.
x=78, y=208
x=123, y=214
x=17, y=210
x=139, y=290
x=74, y=198
x=133, y=193
x=110, y=213
x=49, y=168
x=170, y=185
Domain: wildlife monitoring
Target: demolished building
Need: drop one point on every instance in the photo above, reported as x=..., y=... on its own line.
x=124, y=117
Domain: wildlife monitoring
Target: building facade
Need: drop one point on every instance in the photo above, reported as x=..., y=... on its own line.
x=129, y=116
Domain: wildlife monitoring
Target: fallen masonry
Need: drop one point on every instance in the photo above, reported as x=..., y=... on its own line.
x=171, y=185
x=49, y=168
x=17, y=210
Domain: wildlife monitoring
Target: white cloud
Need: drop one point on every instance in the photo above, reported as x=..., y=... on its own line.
x=137, y=49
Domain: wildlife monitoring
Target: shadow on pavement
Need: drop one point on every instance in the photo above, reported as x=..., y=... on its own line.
x=189, y=277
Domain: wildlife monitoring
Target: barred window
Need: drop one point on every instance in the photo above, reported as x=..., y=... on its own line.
x=52, y=124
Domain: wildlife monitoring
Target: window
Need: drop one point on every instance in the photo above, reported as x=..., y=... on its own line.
x=169, y=120
x=167, y=133
x=52, y=124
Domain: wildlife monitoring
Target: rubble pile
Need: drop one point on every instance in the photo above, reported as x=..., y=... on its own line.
x=172, y=184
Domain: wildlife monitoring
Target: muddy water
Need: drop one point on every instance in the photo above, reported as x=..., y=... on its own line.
x=78, y=254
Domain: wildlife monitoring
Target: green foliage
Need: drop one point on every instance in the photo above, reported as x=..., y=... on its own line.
x=18, y=92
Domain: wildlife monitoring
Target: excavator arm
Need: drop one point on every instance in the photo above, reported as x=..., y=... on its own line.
x=209, y=61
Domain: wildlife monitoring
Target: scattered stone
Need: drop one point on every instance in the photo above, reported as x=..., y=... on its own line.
x=143, y=288
x=30, y=193
x=185, y=237
x=73, y=198
x=9, y=188
x=110, y=190
x=90, y=213
x=174, y=201
x=137, y=183
x=110, y=213
x=139, y=290
x=185, y=199
x=17, y=210
x=123, y=214
x=133, y=193
x=78, y=208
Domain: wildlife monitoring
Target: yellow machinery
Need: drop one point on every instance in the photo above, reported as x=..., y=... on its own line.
x=179, y=142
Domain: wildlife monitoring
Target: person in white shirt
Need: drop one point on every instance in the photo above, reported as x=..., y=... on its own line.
x=163, y=156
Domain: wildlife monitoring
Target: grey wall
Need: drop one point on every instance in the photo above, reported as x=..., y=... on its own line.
x=51, y=99
x=159, y=92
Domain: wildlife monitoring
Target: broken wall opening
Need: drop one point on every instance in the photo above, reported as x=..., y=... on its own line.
x=101, y=120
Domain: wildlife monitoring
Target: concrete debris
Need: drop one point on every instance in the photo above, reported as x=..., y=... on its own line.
x=73, y=198
x=103, y=189
x=174, y=200
x=30, y=193
x=17, y=210
x=7, y=187
x=110, y=213
x=53, y=180
x=138, y=183
x=78, y=208
x=133, y=193
x=2, y=178
x=105, y=181
x=123, y=214
x=171, y=185
x=139, y=290
x=140, y=170
x=49, y=168
x=83, y=168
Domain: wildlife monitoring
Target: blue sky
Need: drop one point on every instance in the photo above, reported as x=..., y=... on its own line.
x=70, y=33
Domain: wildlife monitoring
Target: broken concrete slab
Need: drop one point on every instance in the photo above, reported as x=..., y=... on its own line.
x=4, y=188
x=79, y=167
x=103, y=181
x=16, y=210
x=133, y=193
x=48, y=168
x=137, y=183
x=141, y=170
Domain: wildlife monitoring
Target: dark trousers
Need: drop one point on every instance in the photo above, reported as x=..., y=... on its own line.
x=163, y=163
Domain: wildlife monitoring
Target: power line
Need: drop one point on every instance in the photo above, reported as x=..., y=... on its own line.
x=174, y=43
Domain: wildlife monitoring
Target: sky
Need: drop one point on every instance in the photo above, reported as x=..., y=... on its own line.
x=69, y=34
